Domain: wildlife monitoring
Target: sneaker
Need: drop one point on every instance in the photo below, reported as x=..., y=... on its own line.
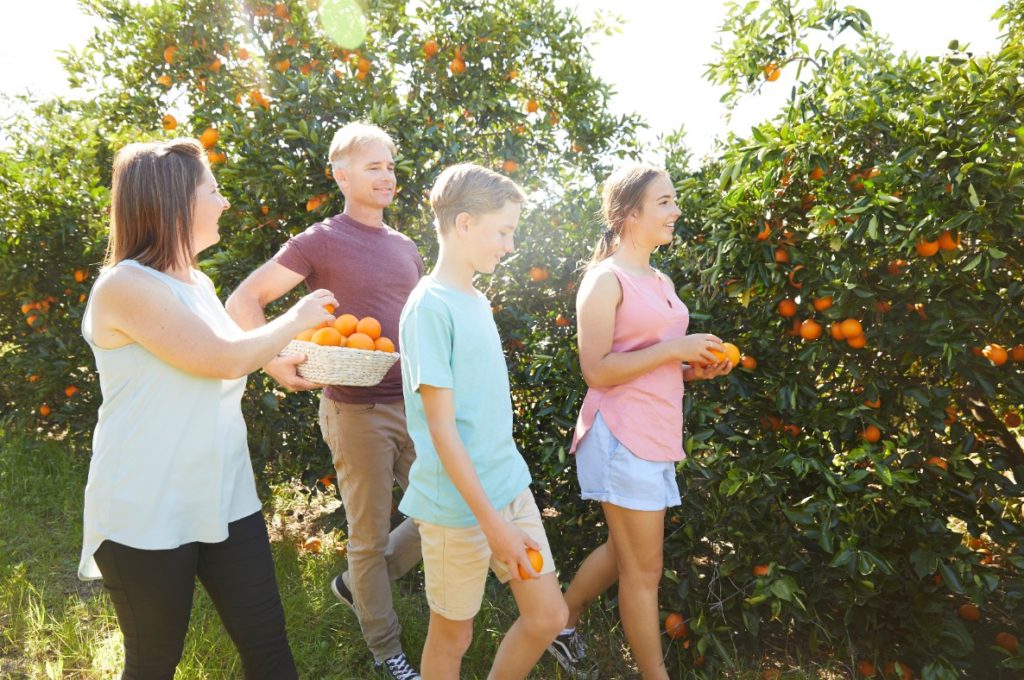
x=571, y=653
x=398, y=668
x=341, y=591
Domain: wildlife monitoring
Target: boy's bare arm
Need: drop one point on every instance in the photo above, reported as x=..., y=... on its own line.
x=506, y=541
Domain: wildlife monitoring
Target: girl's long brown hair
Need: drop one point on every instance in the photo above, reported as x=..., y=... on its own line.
x=152, y=197
x=623, y=193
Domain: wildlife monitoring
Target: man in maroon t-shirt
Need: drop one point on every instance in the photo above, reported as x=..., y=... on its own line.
x=371, y=269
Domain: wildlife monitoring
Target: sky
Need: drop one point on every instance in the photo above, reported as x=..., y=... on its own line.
x=655, y=64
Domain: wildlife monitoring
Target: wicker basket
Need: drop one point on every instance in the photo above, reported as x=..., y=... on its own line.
x=341, y=365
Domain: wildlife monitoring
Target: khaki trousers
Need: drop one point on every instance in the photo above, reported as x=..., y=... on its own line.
x=372, y=450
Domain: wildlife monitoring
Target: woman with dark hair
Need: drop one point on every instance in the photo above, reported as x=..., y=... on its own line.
x=171, y=495
x=635, y=356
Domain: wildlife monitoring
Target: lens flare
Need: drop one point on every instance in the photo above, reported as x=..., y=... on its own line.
x=344, y=22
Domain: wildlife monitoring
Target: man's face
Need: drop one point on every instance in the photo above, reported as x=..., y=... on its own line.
x=367, y=176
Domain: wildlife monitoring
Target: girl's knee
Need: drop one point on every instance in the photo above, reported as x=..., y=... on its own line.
x=547, y=622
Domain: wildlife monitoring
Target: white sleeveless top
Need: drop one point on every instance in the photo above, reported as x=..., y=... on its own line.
x=170, y=462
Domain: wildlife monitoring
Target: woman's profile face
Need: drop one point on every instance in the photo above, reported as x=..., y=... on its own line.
x=654, y=222
x=209, y=204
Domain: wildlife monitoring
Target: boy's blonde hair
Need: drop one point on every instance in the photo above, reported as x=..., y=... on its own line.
x=470, y=188
x=355, y=137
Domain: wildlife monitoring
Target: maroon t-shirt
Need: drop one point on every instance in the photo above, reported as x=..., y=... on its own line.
x=371, y=271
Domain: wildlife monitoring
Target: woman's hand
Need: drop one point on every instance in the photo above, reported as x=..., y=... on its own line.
x=696, y=348
x=310, y=310
x=707, y=371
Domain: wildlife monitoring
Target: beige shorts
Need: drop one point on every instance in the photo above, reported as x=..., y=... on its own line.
x=456, y=560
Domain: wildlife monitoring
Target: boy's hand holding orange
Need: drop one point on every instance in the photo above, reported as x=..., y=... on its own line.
x=536, y=561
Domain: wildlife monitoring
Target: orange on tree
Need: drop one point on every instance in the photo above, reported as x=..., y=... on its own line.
x=938, y=462
x=822, y=303
x=532, y=105
x=675, y=626
x=1017, y=353
x=857, y=341
x=926, y=248
x=1007, y=641
x=328, y=336
x=748, y=362
x=1011, y=419
x=760, y=570
x=866, y=669
x=772, y=72
x=538, y=274
x=208, y=137
x=969, y=612
x=948, y=242
x=70, y=391
x=787, y=308
x=810, y=329
x=369, y=326
x=851, y=328
x=509, y=165
x=871, y=433
x=997, y=354
x=781, y=255
x=835, y=329
x=169, y=52
x=311, y=544
x=383, y=344
x=80, y=275
x=164, y=80
x=45, y=410
x=765, y=233
x=360, y=341
x=168, y=122
x=536, y=561
x=430, y=48
x=346, y=324
x=457, y=66
x=817, y=173
x=877, y=403
x=561, y=320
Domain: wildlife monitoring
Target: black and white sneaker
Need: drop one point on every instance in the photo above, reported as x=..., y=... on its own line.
x=341, y=591
x=397, y=667
x=571, y=653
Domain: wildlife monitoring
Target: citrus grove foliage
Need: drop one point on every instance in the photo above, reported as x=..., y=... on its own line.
x=867, y=473
x=857, y=492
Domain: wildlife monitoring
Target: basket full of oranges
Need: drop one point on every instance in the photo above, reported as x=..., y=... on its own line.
x=351, y=351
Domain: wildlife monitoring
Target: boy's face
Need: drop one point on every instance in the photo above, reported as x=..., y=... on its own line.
x=490, y=236
x=367, y=178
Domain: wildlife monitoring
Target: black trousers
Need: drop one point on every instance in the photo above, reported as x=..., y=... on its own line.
x=152, y=595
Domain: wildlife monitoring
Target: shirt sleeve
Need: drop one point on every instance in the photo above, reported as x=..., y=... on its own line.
x=426, y=337
x=292, y=256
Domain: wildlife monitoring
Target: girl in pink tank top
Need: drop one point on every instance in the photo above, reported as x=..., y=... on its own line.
x=636, y=357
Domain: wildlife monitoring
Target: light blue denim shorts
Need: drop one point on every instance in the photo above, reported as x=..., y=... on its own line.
x=611, y=473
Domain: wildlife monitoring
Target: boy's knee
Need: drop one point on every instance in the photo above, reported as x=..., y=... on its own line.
x=549, y=621
x=454, y=637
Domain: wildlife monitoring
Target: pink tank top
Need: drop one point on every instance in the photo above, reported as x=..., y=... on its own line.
x=646, y=413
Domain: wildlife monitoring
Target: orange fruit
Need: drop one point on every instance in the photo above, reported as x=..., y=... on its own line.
x=429, y=49
x=857, y=341
x=771, y=674
x=327, y=336
x=851, y=328
x=748, y=362
x=872, y=172
x=926, y=248
x=781, y=256
x=760, y=570
x=169, y=53
x=70, y=390
x=817, y=173
x=383, y=344
x=836, y=331
x=1017, y=353
x=764, y=233
x=561, y=320
x=810, y=330
x=772, y=72
x=329, y=308
x=360, y=341
x=80, y=275
x=209, y=137
x=792, y=430
x=948, y=242
x=45, y=410
x=346, y=324
x=822, y=303
x=904, y=672
x=969, y=612
x=538, y=274
x=457, y=66
x=866, y=669
x=1007, y=641
x=536, y=561
x=883, y=306
x=732, y=353
x=306, y=335
x=164, y=80
x=877, y=403
x=311, y=544
x=896, y=267
x=675, y=626
x=871, y=434
x=282, y=65
x=532, y=105
x=509, y=165
x=369, y=326
x=938, y=462
x=216, y=156
x=1011, y=419
x=169, y=122
x=787, y=308
x=995, y=353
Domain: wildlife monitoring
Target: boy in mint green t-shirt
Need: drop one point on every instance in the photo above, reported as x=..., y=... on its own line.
x=469, y=487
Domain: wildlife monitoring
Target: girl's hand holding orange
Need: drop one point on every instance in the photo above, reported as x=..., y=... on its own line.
x=311, y=311
x=699, y=348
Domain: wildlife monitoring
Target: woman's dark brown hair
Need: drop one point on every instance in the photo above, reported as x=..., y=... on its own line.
x=151, y=206
x=623, y=194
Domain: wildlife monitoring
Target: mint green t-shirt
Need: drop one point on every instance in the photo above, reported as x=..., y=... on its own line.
x=449, y=340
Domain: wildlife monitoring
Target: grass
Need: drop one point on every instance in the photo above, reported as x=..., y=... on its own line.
x=54, y=626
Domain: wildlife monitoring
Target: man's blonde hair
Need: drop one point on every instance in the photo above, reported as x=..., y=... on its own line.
x=355, y=137
x=470, y=188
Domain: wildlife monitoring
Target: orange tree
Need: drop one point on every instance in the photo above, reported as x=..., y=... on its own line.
x=506, y=84
x=862, y=478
